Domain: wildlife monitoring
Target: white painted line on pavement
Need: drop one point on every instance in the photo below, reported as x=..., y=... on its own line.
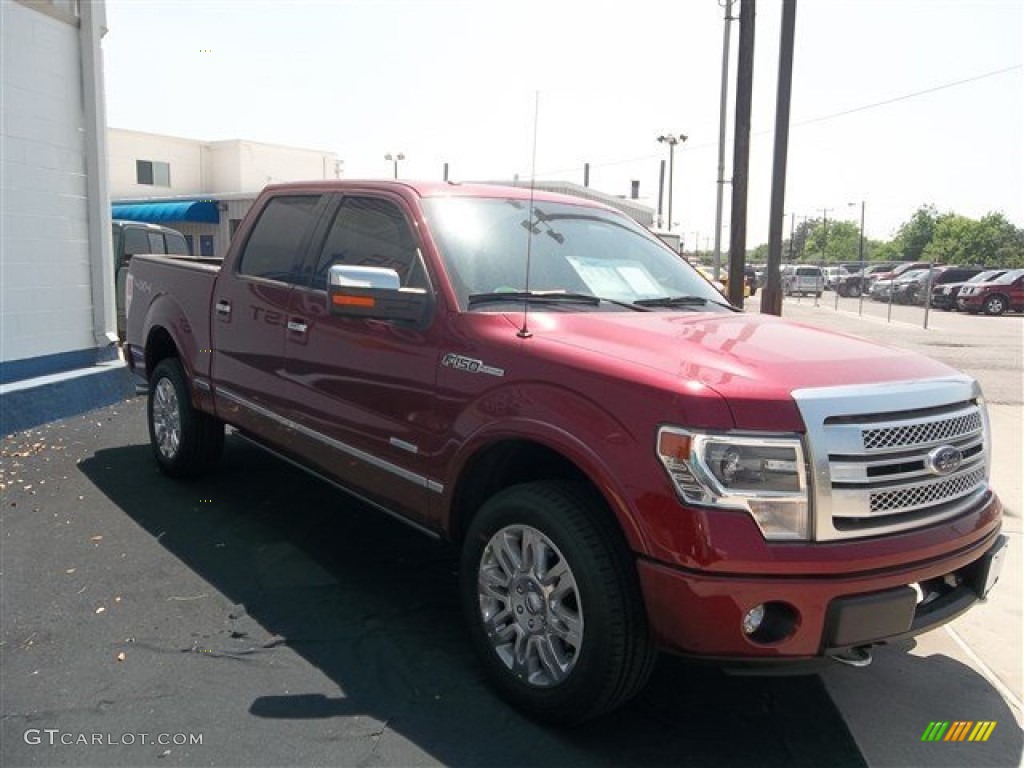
x=991, y=676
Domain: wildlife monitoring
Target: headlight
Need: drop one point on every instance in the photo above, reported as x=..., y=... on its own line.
x=766, y=476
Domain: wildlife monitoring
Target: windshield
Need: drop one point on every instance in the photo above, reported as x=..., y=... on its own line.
x=574, y=249
x=984, y=277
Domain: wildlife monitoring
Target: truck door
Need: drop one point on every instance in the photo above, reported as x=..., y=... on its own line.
x=250, y=311
x=363, y=390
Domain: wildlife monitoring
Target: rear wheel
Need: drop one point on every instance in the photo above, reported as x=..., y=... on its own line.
x=995, y=304
x=853, y=290
x=185, y=441
x=554, y=607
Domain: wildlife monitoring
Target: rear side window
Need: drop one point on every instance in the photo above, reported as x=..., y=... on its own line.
x=371, y=233
x=176, y=244
x=273, y=249
x=136, y=242
x=156, y=242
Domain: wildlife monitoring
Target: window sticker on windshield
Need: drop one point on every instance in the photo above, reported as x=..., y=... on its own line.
x=639, y=280
x=604, y=277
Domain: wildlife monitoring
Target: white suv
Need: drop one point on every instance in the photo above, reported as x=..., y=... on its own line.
x=803, y=280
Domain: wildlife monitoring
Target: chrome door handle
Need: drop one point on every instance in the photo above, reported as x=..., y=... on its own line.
x=298, y=326
x=223, y=307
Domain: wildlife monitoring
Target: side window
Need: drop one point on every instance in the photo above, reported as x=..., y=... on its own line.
x=273, y=247
x=156, y=242
x=371, y=233
x=135, y=241
x=176, y=244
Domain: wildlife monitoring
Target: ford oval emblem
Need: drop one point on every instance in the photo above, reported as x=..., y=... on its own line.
x=944, y=460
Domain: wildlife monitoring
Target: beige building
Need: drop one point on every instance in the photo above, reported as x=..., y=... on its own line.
x=202, y=188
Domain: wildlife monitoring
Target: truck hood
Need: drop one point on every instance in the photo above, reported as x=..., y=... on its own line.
x=753, y=361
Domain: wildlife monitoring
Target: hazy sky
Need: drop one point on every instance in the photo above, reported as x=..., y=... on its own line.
x=456, y=81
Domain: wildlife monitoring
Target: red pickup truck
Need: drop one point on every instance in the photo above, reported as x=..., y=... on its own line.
x=626, y=462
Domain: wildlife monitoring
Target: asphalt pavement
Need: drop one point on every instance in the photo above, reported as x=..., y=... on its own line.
x=260, y=617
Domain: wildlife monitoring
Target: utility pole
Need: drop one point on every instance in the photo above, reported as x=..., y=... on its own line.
x=722, y=111
x=771, y=296
x=741, y=153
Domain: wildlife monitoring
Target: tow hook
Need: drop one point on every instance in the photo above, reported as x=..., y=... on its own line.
x=855, y=657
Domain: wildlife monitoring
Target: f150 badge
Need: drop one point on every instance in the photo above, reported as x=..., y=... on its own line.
x=469, y=364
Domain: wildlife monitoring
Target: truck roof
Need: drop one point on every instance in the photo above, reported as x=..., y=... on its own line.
x=439, y=189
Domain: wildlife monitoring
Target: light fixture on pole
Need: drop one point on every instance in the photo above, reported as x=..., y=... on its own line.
x=394, y=159
x=671, y=140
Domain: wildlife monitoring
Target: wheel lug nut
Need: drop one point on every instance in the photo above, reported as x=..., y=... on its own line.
x=519, y=609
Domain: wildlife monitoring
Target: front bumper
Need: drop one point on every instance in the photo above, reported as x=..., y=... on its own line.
x=697, y=614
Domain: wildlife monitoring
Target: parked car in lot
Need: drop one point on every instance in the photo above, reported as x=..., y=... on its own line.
x=1003, y=294
x=915, y=290
x=945, y=296
x=623, y=460
x=803, y=281
x=859, y=282
x=884, y=289
x=129, y=238
x=900, y=269
x=832, y=276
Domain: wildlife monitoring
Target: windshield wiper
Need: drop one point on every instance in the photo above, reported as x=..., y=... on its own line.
x=681, y=301
x=672, y=301
x=549, y=297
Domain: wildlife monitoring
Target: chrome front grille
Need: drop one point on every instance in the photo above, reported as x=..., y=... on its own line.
x=925, y=433
x=925, y=495
x=894, y=457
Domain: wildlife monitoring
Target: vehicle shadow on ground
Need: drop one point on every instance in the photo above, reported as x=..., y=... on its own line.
x=374, y=606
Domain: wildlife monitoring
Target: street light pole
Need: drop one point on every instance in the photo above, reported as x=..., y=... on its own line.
x=671, y=140
x=394, y=159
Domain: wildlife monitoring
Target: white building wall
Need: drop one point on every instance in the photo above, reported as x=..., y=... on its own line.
x=185, y=157
x=45, y=282
x=262, y=164
x=225, y=168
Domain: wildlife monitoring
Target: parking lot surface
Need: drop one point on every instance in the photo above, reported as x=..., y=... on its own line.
x=282, y=623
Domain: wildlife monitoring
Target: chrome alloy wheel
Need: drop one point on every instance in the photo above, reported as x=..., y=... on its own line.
x=530, y=605
x=166, y=418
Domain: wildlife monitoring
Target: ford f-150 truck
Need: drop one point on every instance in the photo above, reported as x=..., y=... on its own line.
x=626, y=462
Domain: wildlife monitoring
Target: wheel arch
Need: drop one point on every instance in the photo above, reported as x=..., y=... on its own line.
x=159, y=346
x=508, y=461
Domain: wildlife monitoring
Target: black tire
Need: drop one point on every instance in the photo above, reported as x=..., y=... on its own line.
x=853, y=291
x=185, y=442
x=613, y=654
x=995, y=304
x=842, y=290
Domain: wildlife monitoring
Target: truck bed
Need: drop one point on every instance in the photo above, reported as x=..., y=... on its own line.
x=179, y=290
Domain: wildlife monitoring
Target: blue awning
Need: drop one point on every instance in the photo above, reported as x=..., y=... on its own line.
x=182, y=210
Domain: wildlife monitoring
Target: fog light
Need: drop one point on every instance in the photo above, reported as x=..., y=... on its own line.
x=752, y=619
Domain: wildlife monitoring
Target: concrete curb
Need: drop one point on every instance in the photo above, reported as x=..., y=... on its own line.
x=29, y=403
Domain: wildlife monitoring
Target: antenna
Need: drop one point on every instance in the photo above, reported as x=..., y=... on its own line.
x=524, y=331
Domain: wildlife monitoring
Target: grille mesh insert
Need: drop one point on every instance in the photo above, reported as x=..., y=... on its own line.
x=921, y=434
x=920, y=495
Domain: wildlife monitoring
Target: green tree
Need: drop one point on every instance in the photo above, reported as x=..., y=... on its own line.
x=831, y=241
x=991, y=240
x=914, y=236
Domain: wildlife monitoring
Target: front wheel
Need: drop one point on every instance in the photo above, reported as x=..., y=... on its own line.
x=185, y=441
x=554, y=607
x=995, y=304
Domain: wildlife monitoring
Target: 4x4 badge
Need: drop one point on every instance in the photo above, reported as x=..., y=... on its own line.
x=944, y=460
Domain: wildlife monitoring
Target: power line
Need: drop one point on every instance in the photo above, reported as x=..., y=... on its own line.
x=906, y=96
x=811, y=120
